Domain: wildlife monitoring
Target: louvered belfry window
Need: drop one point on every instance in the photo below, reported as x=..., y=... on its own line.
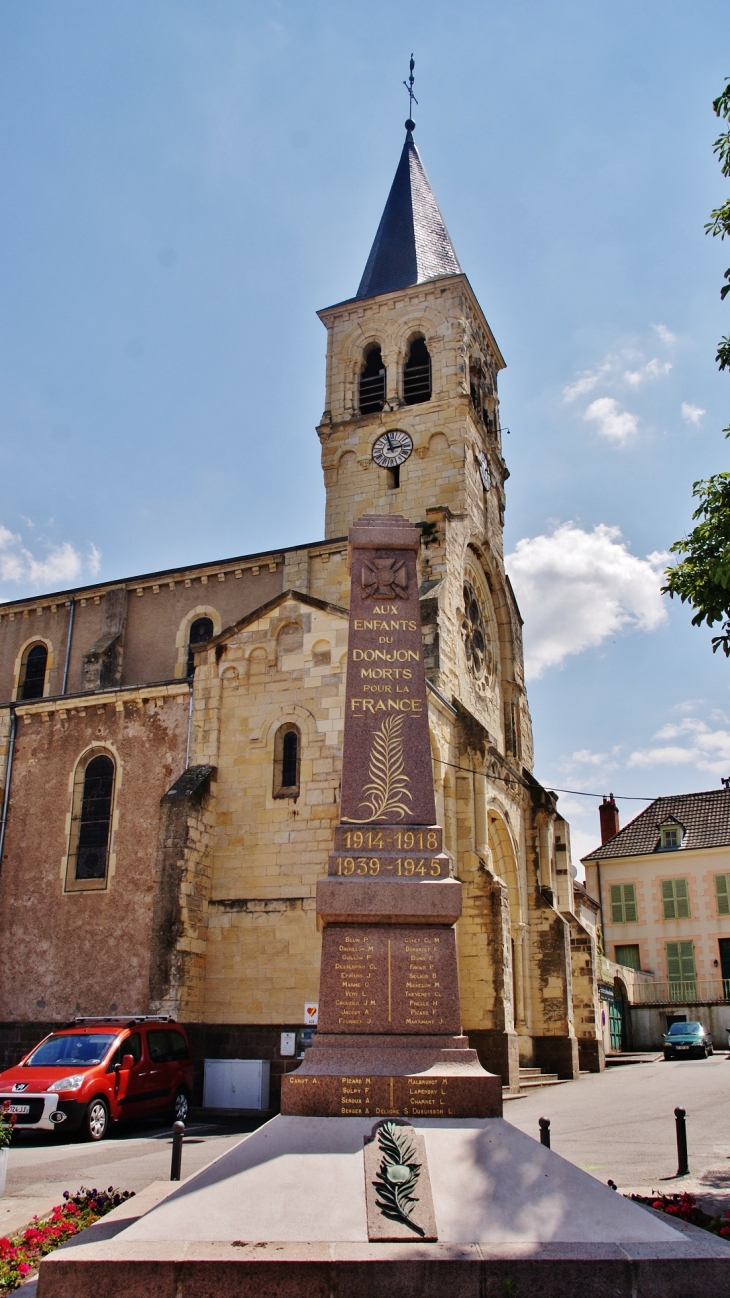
x=623, y=903
x=417, y=374
x=371, y=397
x=675, y=898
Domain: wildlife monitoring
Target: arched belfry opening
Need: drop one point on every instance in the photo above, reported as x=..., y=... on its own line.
x=417, y=374
x=372, y=382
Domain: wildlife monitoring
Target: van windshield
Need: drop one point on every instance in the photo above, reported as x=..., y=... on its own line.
x=685, y=1030
x=83, y=1049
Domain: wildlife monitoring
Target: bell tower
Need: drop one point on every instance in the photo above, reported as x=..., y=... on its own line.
x=411, y=420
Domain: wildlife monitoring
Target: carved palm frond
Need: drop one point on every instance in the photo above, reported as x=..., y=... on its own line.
x=388, y=783
x=397, y=1175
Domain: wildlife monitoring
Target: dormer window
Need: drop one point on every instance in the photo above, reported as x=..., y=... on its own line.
x=372, y=382
x=670, y=836
x=417, y=374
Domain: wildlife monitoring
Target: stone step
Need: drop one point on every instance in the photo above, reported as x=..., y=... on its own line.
x=547, y=1079
x=530, y=1072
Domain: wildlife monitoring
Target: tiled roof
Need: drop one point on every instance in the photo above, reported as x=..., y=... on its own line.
x=704, y=816
x=412, y=243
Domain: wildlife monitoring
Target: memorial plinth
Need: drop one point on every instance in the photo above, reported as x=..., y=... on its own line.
x=389, y=1040
x=390, y=1172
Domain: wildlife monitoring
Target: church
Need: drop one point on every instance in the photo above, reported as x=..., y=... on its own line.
x=171, y=743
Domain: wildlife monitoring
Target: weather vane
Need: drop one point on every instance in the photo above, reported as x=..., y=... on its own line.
x=410, y=124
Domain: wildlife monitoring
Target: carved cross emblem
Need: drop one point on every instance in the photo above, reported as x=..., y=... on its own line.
x=387, y=577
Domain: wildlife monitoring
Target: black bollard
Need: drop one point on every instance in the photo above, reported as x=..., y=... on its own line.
x=545, y=1132
x=178, y=1131
x=680, y=1118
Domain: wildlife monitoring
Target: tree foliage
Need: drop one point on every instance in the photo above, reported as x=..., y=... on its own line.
x=702, y=577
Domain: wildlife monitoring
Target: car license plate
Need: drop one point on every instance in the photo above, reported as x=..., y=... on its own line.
x=682, y=1047
x=17, y=1108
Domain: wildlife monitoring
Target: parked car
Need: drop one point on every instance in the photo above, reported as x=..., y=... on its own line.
x=100, y=1071
x=685, y=1039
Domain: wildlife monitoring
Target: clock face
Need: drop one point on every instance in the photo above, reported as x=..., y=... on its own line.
x=484, y=473
x=392, y=449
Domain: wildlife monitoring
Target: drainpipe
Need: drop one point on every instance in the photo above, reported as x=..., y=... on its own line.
x=190, y=723
x=600, y=899
x=8, y=776
x=68, y=645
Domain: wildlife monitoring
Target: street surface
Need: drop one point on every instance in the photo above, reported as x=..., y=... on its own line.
x=618, y=1125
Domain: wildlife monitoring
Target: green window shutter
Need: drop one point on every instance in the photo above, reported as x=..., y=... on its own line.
x=722, y=893
x=681, y=893
x=628, y=956
x=687, y=958
x=670, y=910
x=674, y=967
x=630, y=910
x=617, y=906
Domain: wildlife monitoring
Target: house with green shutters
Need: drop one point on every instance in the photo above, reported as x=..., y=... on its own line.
x=662, y=884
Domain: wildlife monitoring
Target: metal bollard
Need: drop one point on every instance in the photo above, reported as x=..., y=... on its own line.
x=545, y=1132
x=680, y=1117
x=178, y=1131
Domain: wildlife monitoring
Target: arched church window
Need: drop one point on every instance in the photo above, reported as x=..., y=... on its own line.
x=92, y=816
x=417, y=374
x=372, y=382
x=201, y=631
x=287, y=756
x=475, y=638
x=33, y=672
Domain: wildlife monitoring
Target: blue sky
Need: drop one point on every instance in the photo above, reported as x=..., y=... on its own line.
x=187, y=181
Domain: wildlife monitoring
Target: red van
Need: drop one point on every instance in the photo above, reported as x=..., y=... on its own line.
x=100, y=1071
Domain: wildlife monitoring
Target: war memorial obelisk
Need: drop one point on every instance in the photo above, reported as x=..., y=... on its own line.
x=389, y=1040
x=390, y=1172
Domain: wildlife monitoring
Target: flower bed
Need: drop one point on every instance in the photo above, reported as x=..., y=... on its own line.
x=685, y=1207
x=21, y=1254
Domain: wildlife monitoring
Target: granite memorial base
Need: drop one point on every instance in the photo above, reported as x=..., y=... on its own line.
x=309, y=1207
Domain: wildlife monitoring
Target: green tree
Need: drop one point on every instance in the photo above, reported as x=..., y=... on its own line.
x=702, y=576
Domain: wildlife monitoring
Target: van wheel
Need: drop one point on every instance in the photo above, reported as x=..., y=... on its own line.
x=180, y=1107
x=96, y=1120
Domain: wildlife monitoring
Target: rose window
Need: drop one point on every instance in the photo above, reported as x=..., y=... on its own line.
x=475, y=637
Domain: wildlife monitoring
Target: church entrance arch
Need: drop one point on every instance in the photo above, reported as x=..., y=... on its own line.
x=504, y=864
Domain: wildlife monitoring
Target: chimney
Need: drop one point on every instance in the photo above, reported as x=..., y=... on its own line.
x=608, y=811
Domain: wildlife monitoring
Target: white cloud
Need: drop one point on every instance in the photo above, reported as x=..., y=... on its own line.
x=696, y=744
x=665, y=334
x=616, y=425
x=586, y=381
x=60, y=566
x=692, y=414
x=653, y=369
x=576, y=588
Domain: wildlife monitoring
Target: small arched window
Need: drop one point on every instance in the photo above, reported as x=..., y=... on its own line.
x=372, y=382
x=33, y=672
x=201, y=631
x=417, y=374
x=89, y=857
x=287, y=756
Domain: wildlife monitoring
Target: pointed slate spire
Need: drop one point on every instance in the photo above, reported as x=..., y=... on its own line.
x=412, y=243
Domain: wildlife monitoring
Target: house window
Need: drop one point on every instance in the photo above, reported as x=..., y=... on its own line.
x=675, y=898
x=372, y=383
x=670, y=837
x=201, y=631
x=722, y=893
x=91, y=824
x=681, y=970
x=623, y=903
x=33, y=672
x=287, y=753
x=629, y=956
x=417, y=374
